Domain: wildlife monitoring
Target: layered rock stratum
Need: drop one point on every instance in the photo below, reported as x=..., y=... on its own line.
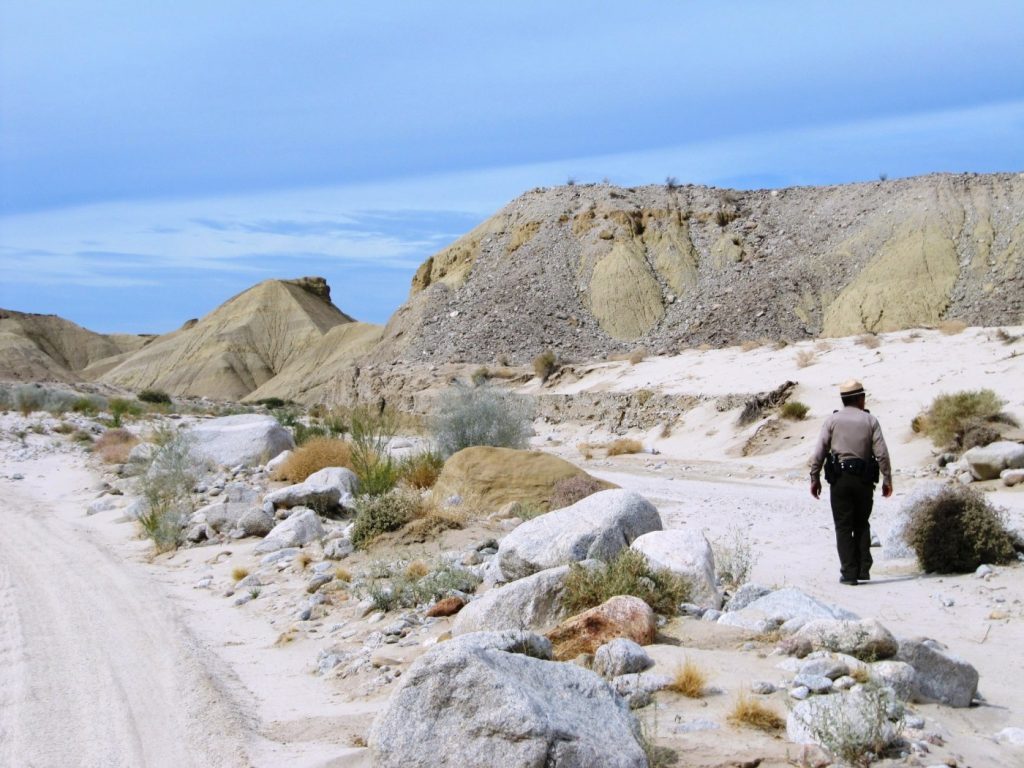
x=587, y=271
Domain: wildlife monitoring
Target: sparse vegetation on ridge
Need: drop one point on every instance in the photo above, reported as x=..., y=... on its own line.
x=470, y=416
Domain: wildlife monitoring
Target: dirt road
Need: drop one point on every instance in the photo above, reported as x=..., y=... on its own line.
x=96, y=669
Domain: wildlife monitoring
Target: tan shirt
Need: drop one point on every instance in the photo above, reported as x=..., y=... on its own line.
x=852, y=433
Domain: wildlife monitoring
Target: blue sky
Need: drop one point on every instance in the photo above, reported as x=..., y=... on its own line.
x=158, y=157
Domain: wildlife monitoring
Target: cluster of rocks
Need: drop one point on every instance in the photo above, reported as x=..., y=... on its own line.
x=1002, y=460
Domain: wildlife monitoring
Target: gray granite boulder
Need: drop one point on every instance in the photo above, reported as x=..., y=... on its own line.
x=781, y=606
x=861, y=638
x=987, y=461
x=598, y=527
x=898, y=675
x=246, y=439
x=255, y=522
x=301, y=528
x=621, y=657
x=745, y=595
x=688, y=554
x=490, y=699
x=534, y=602
x=939, y=676
x=323, y=491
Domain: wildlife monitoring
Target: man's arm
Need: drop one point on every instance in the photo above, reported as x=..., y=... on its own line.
x=881, y=451
x=821, y=448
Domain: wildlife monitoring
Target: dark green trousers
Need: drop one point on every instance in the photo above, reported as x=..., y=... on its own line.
x=851, y=499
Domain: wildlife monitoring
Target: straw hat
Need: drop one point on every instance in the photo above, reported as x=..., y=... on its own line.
x=850, y=388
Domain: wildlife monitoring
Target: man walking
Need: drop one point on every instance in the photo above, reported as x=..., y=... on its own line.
x=854, y=452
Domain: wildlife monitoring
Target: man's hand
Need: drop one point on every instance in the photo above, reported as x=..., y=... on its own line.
x=816, y=487
x=886, y=489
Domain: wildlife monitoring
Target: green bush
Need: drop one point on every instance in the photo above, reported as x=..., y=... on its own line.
x=271, y=402
x=155, y=396
x=795, y=410
x=956, y=530
x=166, y=489
x=370, y=431
x=396, y=586
x=382, y=513
x=88, y=405
x=628, y=574
x=119, y=408
x=950, y=416
x=484, y=415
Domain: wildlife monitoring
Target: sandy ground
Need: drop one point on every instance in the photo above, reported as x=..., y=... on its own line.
x=111, y=658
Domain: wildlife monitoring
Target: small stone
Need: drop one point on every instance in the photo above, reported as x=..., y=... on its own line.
x=983, y=571
x=711, y=615
x=844, y=683
x=762, y=687
x=318, y=581
x=814, y=683
x=801, y=692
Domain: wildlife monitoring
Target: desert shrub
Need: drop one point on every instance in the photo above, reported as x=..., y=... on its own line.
x=724, y=216
x=271, y=402
x=420, y=470
x=370, y=431
x=869, y=340
x=88, y=405
x=950, y=416
x=64, y=428
x=239, y=572
x=303, y=433
x=317, y=454
x=795, y=410
x=856, y=729
x=637, y=355
x=624, y=445
x=752, y=713
x=586, y=450
x=166, y=490
x=569, y=490
x=119, y=408
x=28, y=400
x=81, y=436
x=689, y=680
x=628, y=574
x=1006, y=337
x=468, y=416
x=545, y=364
x=805, y=357
x=114, y=445
x=734, y=557
x=407, y=585
x=155, y=396
x=480, y=376
x=956, y=530
x=381, y=513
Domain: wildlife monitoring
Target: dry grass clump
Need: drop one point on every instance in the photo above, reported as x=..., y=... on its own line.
x=805, y=357
x=689, y=680
x=569, y=490
x=417, y=569
x=114, y=445
x=754, y=714
x=869, y=340
x=420, y=470
x=303, y=560
x=795, y=410
x=749, y=345
x=1005, y=336
x=586, y=450
x=314, y=455
x=624, y=445
x=239, y=572
x=628, y=574
x=952, y=327
x=545, y=364
x=951, y=416
x=956, y=530
x=822, y=346
x=343, y=574
x=637, y=355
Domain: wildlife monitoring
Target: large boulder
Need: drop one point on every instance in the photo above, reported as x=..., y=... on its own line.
x=248, y=439
x=863, y=638
x=621, y=616
x=323, y=491
x=597, y=527
x=621, y=657
x=298, y=530
x=940, y=676
x=687, y=553
x=489, y=699
x=782, y=606
x=534, y=602
x=987, y=461
x=492, y=477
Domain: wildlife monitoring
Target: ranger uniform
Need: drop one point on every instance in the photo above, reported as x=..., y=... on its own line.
x=853, y=452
